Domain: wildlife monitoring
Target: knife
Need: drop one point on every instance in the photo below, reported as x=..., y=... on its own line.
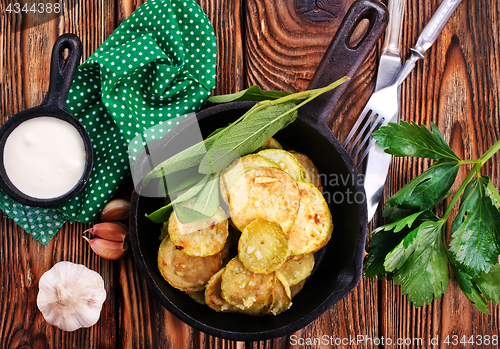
x=377, y=164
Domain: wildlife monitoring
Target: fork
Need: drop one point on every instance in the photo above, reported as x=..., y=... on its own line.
x=382, y=106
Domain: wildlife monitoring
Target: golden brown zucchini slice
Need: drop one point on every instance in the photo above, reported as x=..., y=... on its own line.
x=267, y=193
x=287, y=162
x=202, y=238
x=250, y=292
x=313, y=227
x=297, y=288
x=271, y=143
x=213, y=297
x=197, y=296
x=297, y=268
x=263, y=246
x=309, y=167
x=186, y=272
x=282, y=296
x=239, y=166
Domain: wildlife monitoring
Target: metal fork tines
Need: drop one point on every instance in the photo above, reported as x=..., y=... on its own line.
x=383, y=104
x=380, y=109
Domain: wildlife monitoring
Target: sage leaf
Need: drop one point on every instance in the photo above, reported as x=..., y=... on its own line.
x=162, y=214
x=185, y=159
x=253, y=93
x=187, y=215
x=207, y=202
x=247, y=136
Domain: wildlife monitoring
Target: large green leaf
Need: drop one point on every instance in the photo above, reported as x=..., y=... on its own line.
x=163, y=213
x=476, y=240
x=489, y=284
x=427, y=190
x=247, y=136
x=470, y=289
x=385, y=238
x=207, y=202
x=406, y=139
x=424, y=274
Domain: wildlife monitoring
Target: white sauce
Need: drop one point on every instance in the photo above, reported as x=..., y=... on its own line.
x=44, y=157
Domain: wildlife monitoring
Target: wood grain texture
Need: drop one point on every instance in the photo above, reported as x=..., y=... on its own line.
x=277, y=45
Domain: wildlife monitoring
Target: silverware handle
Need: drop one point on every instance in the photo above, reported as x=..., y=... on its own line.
x=435, y=26
x=396, y=9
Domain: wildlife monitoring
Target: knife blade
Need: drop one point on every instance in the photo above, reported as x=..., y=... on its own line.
x=377, y=164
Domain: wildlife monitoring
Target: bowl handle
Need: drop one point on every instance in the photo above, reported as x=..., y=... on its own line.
x=344, y=58
x=62, y=71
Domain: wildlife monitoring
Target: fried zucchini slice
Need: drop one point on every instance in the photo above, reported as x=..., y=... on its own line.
x=271, y=143
x=313, y=226
x=202, y=238
x=213, y=297
x=186, y=272
x=197, y=296
x=267, y=193
x=251, y=293
x=287, y=162
x=297, y=268
x=297, y=288
x=263, y=246
x=309, y=167
x=282, y=296
x=239, y=166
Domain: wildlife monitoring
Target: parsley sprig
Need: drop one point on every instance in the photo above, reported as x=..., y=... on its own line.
x=413, y=249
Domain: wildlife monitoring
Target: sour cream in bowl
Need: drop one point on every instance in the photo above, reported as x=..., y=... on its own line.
x=44, y=157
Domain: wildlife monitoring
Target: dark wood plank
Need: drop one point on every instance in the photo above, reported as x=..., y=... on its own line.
x=455, y=87
x=25, y=70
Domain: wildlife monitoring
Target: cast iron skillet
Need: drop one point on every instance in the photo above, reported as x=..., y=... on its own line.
x=62, y=72
x=339, y=264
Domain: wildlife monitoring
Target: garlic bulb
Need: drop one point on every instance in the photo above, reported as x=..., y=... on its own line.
x=71, y=296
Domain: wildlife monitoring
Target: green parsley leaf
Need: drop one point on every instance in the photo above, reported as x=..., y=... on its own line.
x=406, y=139
x=489, y=284
x=386, y=238
x=427, y=190
x=424, y=274
x=476, y=241
x=470, y=290
x=253, y=93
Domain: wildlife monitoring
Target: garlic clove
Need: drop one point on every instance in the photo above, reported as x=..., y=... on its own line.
x=107, y=249
x=116, y=210
x=70, y=296
x=112, y=231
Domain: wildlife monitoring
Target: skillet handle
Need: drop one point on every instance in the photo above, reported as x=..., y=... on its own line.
x=342, y=59
x=62, y=71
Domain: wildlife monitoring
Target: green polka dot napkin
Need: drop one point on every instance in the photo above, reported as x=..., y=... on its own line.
x=158, y=66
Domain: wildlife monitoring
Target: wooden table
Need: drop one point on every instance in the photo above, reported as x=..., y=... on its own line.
x=277, y=45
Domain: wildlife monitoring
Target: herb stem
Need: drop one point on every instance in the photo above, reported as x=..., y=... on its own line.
x=460, y=191
x=468, y=162
x=490, y=152
x=309, y=94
